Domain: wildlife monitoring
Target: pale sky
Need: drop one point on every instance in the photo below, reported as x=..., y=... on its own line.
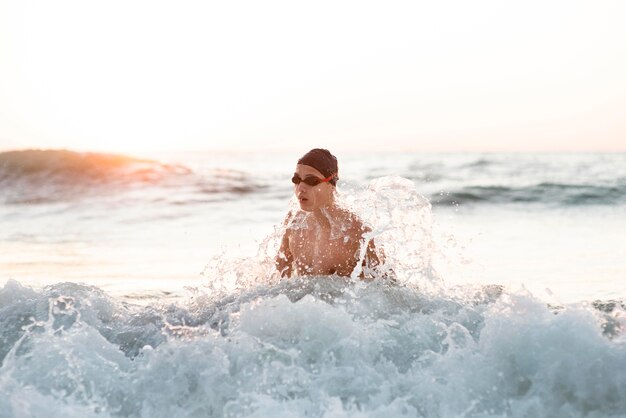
x=135, y=75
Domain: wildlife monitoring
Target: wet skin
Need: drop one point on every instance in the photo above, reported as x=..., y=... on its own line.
x=321, y=238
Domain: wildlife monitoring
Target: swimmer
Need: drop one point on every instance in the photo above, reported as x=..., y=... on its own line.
x=321, y=238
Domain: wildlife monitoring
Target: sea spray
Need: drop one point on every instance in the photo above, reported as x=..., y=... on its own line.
x=400, y=223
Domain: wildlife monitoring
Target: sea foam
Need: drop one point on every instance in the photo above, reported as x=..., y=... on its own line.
x=321, y=346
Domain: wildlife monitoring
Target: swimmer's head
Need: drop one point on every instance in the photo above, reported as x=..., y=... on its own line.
x=324, y=162
x=315, y=178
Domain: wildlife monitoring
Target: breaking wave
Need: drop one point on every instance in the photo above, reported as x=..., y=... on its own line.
x=45, y=176
x=320, y=346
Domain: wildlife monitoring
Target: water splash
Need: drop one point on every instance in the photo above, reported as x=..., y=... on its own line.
x=400, y=220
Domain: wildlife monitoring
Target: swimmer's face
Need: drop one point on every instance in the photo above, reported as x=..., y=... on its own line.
x=309, y=197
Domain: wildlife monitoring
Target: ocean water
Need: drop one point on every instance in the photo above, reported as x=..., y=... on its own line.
x=144, y=287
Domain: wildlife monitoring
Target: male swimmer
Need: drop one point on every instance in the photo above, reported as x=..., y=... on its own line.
x=321, y=238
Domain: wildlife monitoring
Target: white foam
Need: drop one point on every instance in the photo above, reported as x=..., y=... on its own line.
x=320, y=347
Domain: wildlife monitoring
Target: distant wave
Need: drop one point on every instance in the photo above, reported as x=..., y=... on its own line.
x=82, y=166
x=43, y=176
x=546, y=193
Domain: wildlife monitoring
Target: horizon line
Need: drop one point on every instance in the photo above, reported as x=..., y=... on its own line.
x=250, y=150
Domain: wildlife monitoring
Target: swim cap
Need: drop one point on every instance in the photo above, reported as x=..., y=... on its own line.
x=323, y=161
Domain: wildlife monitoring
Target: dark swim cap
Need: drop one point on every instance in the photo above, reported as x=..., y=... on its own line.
x=323, y=161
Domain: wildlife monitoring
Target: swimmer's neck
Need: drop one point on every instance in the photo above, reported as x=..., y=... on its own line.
x=325, y=213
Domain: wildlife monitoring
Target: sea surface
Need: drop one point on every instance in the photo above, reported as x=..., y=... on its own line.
x=144, y=286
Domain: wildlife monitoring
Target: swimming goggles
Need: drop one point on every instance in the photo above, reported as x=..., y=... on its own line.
x=310, y=180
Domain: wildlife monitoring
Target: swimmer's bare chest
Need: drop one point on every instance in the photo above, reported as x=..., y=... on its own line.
x=314, y=252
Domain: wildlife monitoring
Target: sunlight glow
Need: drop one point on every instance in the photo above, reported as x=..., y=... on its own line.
x=152, y=75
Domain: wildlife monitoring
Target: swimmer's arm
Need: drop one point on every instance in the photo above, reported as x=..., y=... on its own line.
x=374, y=258
x=370, y=261
x=284, y=259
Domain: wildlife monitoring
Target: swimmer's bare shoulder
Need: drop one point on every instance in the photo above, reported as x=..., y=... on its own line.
x=355, y=226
